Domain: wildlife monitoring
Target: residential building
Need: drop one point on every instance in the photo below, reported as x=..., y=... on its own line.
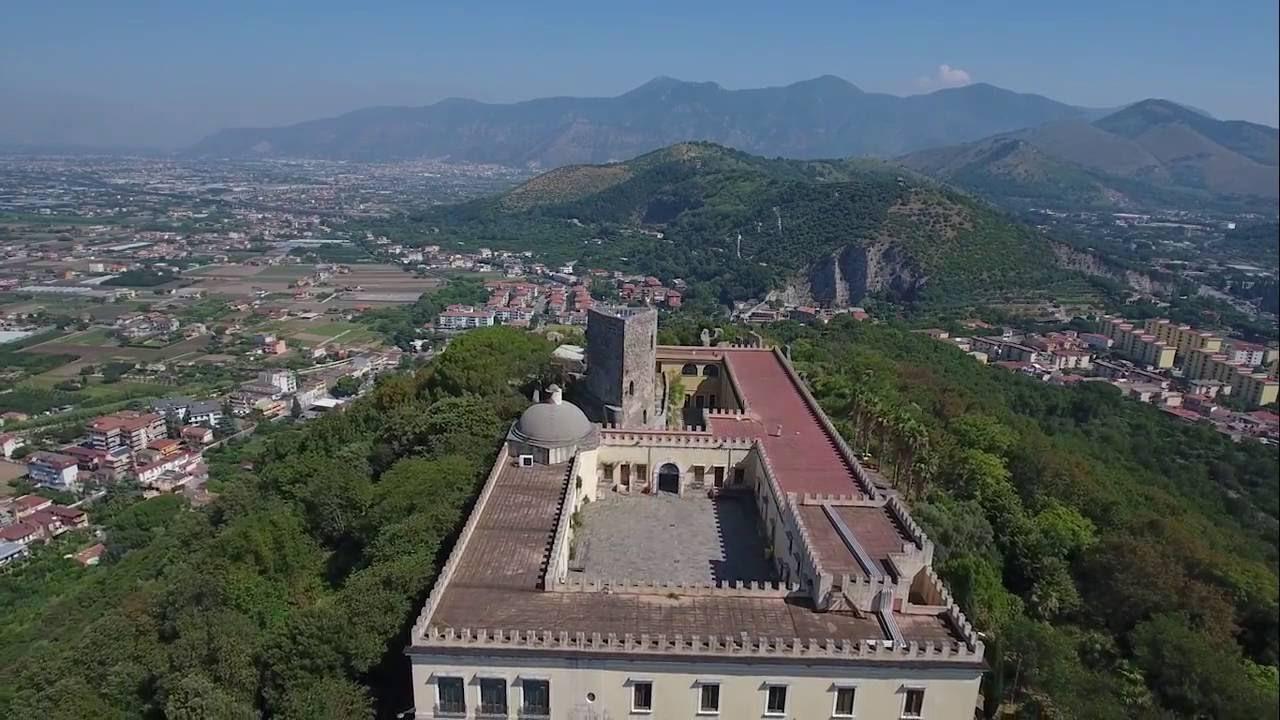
x=1136, y=344
x=204, y=412
x=1255, y=389
x=9, y=444
x=23, y=532
x=464, y=317
x=838, y=609
x=1245, y=353
x=156, y=465
x=284, y=381
x=128, y=429
x=27, y=504
x=91, y=555
x=196, y=434
x=1182, y=338
x=11, y=552
x=54, y=470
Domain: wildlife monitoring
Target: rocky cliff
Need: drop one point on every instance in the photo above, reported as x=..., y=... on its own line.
x=850, y=273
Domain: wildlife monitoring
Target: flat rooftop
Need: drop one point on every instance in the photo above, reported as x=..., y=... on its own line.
x=666, y=537
x=875, y=530
x=497, y=586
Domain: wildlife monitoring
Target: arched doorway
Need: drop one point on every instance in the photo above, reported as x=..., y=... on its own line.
x=669, y=478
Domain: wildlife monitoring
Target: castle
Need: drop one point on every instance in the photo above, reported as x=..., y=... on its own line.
x=621, y=562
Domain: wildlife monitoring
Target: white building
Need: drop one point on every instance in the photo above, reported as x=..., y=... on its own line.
x=464, y=317
x=793, y=586
x=284, y=381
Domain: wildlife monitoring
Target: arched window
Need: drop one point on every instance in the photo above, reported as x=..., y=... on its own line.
x=689, y=369
x=631, y=388
x=711, y=371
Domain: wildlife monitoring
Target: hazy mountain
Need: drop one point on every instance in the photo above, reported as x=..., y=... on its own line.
x=1154, y=152
x=822, y=117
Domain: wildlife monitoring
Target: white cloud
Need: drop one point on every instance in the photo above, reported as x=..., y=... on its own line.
x=945, y=77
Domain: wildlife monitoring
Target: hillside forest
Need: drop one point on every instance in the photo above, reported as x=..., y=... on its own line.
x=1121, y=565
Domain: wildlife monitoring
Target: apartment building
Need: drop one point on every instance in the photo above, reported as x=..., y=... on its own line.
x=1253, y=388
x=1136, y=344
x=284, y=381
x=127, y=429
x=464, y=317
x=1182, y=338
x=54, y=470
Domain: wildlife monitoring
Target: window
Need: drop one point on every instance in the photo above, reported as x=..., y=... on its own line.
x=535, y=698
x=913, y=703
x=493, y=696
x=642, y=697
x=450, y=695
x=776, y=702
x=631, y=388
x=711, y=371
x=709, y=698
x=844, y=702
x=689, y=369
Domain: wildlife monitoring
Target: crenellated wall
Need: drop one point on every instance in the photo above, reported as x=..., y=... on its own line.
x=451, y=564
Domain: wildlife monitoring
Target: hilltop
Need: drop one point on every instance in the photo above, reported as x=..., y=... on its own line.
x=1154, y=153
x=738, y=225
x=823, y=117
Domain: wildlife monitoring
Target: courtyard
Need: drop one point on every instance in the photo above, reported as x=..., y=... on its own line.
x=666, y=537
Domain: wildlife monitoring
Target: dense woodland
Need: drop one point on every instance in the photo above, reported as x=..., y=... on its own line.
x=290, y=596
x=1121, y=564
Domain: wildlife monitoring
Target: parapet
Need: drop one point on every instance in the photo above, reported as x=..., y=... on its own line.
x=728, y=646
x=737, y=588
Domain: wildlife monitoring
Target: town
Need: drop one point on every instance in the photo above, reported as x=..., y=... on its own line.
x=1193, y=375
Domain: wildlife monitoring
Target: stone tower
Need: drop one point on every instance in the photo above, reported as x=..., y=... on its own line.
x=622, y=348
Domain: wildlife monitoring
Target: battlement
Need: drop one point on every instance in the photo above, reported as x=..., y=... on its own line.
x=673, y=438
x=455, y=555
x=923, y=544
x=839, y=500
x=743, y=645
x=558, y=563
x=737, y=588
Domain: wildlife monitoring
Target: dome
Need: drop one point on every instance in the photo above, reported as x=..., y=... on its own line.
x=552, y=424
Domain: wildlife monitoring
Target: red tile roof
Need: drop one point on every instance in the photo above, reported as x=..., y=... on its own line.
x=805, y=458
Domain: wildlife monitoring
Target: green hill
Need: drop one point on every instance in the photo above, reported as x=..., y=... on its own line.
x=737, y=226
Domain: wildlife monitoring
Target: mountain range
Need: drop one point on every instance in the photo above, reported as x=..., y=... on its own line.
x=1153, y=152
x=823, y=117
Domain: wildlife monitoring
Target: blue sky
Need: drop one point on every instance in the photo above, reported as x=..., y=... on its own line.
x=193, y=66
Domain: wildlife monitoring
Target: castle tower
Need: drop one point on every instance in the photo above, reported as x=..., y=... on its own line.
x=622, y=348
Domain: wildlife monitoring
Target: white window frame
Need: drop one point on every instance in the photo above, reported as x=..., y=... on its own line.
x=634, y=684
x=835, y=701
x=719, y=697
x=440, y=702
x=906, y=691
x=786, y=699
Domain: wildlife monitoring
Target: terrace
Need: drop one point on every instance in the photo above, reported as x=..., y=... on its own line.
x=682, y=539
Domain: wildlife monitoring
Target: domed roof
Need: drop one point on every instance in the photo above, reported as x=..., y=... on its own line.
x=553, y=424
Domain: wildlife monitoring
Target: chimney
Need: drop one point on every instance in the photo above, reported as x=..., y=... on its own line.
x=557, y=396
x=537, y=396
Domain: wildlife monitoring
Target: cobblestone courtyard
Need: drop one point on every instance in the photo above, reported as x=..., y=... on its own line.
x=690, y=539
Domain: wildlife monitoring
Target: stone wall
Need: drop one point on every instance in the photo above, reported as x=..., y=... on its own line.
x=621, y=361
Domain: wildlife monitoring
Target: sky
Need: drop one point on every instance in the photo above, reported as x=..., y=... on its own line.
x=160, y=72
